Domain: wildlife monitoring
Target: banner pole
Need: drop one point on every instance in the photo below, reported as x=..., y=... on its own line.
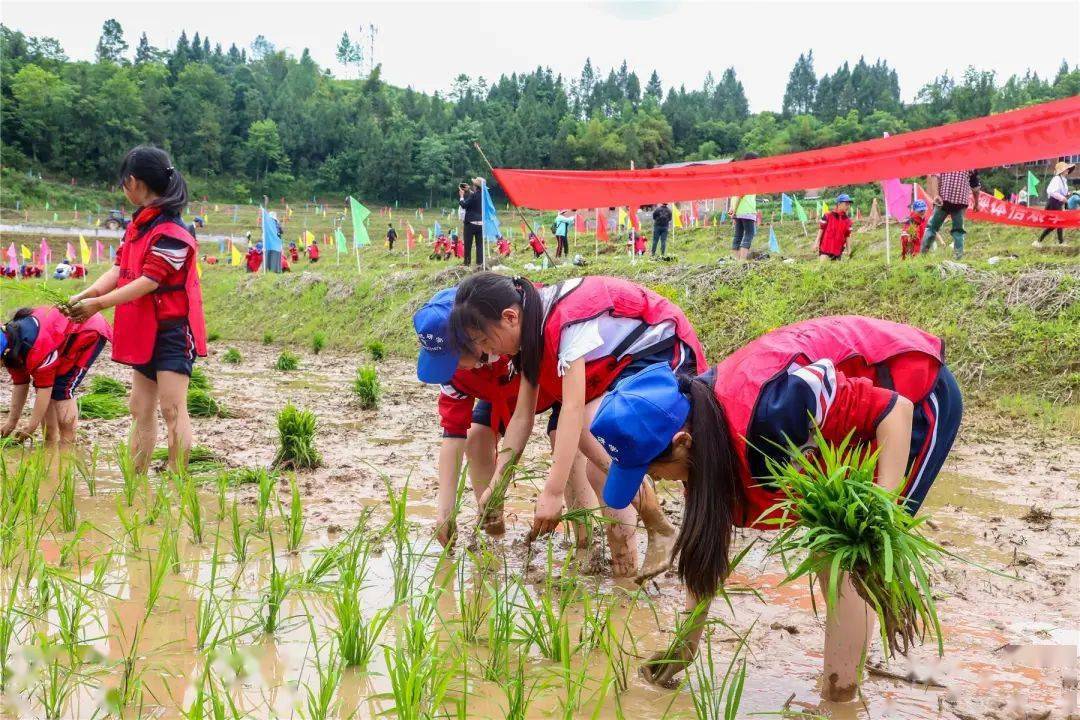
x=888, y=254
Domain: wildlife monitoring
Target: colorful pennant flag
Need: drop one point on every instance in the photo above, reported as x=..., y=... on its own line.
x=359, y=214
x=490, y=215
x=774, y=244
x=998, y=194
x=84, y=250
x=237, y=257
x=601, y=226
x=677, y=215
x=785, y=204
x=340, y=240
x=27, y=255
x=13, y=258
x=44, y=253
x=1033, y=185
x=270, y=236
x=800, y=214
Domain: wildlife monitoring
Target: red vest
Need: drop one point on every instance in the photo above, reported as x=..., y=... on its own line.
x=136, y=321
x=54, y=330
x=496, y=385
x=835, y=237
x=893, y=355
x=592, y=297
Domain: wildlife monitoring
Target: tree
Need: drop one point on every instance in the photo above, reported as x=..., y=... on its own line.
x=263, y=149
x=729, y=99
x=802, y=82
x=42, y=100
x=349, y=52
x=432, y=165
x=653, y=89
x=111, y=46
x=145, y=52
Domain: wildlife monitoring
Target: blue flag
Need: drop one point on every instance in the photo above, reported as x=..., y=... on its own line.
x=437, y=230
x=270, y=236
x=221, y=246
x=774, y=245
x=785, y=204
x=491, y=216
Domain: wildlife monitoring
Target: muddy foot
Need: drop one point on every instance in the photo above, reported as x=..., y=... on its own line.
x=495, y=525
x=657, y=554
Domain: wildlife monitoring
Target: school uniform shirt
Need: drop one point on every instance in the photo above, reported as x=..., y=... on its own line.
x=167, y=264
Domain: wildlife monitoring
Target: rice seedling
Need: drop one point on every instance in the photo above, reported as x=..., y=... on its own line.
x=574, y=682
x=161, y=502
x=717, y=697
x=57, y=680
x=68, y=513
x=199, y=380
x=519, y=691
x=190, y=506
x=836, y=521
x=500, y=628
x=70, y=549
x=545, y=621
x=133, y=480
x=318, y=342
x=356, y=638
x=73, y=604
x=473, y=606
x=199, y=460
x=132, y=526
x=418, y=670
x=377, y=350
x=160, y=565
x=367, y=387
x=267, y=338
x=10, y=616
x=93, y=406
x=403, y=561
x=201, y=404
x=267, y=481
x=103, y=385
x=222, y=483
x=54, y=297
x=240, y=536
x=232, y=356
x=320, y=701
x=207, y=611
x=296, y=438
x=274, y=597
x=286, y=362
x=88, y=470
x=294, y=518
x=19, y=492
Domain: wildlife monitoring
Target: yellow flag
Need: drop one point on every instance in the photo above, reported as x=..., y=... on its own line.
x=309, y=237
x=98, y=222
x=27, y=255
x=237, y=257
x=998, y=194
x=84, y=250
x=215, y=208
x=623, y=218
x=678, y=215
x=198, y=267
x=288, y=211
x=390, y=212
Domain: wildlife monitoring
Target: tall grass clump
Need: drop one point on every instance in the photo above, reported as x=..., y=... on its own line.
x=318, y=342
x=377, y=350
x=296, y=438
x=837, y=521
x=367, y=387
x=286, y=361
x=232, y=356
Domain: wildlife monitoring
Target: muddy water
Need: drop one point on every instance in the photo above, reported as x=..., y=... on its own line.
x=1007, y=642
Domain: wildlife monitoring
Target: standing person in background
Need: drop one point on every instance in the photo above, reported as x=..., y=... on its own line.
x=913, y=229
x=159, y=323
x=951, y=194
x=563, y=222
x=391, y=236
x=744, y=212
x=1057, y=195
x=835, y=229
x=1022, y=197
x=661, y=223
x=470, y=199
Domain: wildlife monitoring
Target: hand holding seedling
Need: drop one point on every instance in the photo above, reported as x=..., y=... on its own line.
x=549, y=509
x=662, y=668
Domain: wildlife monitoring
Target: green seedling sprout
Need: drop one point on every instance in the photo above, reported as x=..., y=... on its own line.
x=296, y=439
x=367, y=388
x=286, y=362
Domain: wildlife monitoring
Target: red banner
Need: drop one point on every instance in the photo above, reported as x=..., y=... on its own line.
x=1039, y=131
x=990, y=209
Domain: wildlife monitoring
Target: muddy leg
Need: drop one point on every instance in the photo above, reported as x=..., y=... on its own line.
x=620, y=532
x=52, y=442
x=661, y=533
x=480, y=447
x=143, y=406
x=848, y=626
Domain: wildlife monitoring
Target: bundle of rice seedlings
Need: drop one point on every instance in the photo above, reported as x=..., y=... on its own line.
x=377, y=350
x=232, y=356
x=318, y=342
x=202, y=404
x=102, y=385
x=835, y=520
x=296, y=437
x=97, y=406
x=199, y=380
x=286, y=361
x=367, y=387
x=268, y=338
x=200, y=460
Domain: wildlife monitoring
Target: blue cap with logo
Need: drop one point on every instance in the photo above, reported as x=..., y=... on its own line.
x=635, y=423
x=843, y=197
x=438, y=361
x=918, y=205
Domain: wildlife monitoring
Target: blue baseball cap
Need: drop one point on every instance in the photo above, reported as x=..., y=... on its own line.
x=3, y=340
x=635, y=423
x=918, y=205
x=843, y=197
x=438, y=361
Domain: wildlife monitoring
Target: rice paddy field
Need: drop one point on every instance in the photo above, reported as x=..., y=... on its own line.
x=292, y=571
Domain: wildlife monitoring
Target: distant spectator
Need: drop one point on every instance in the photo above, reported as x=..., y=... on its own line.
x=912, y=231
x=1022, y=197
x=561, y=228
x=391, y=236
x=661, y=222
x=1057, y=196
x=536, y=244
x=313, y=252
x=1074, y=201
x=470, y=199
x=951, y=193
x=744, y=211
x=63, y=270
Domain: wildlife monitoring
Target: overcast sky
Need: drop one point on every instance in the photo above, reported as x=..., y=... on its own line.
x=427, y=44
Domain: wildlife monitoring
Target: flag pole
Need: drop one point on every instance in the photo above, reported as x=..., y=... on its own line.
x=888, y=254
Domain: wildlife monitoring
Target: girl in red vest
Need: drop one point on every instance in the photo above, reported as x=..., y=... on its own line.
x=45, y=347
x=313, y=253
x=572, y=342
x=154, y=286
x=476, y=400
x=835, y=230
x=884, y=382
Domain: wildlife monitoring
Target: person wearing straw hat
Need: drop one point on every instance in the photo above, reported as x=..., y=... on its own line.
x=1057, y=194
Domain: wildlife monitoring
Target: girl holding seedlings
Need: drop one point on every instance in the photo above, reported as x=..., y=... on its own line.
x=42, y=346
x=476, y=400
x=572, y=342
x=882, y=382
x=154, y=287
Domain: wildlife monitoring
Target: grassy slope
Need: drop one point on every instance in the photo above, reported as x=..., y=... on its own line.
x=1012, y=330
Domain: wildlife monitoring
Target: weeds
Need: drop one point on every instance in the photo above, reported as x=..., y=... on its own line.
x=286, y=362
x=232, y=356
x=367, y=387
x=296, y=438
x=318, y=342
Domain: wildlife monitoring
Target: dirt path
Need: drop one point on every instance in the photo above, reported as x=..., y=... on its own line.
x=1011, y=504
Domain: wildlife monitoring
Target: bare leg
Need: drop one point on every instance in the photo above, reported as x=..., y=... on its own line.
x=481, y=443
x=172, y=398
x=620, y=532
x=143, y=406
x=578, y=494
x=848, y=626
x=52, y=441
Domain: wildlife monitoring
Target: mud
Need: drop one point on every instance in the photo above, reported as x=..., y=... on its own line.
x=1010, y=644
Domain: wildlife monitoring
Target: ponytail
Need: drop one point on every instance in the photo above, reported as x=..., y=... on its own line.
x=479, y=304
x=153, y=166
x=714, y=494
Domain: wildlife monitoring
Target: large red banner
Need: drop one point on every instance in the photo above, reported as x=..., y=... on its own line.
x=991, y=209
x=1040, y=131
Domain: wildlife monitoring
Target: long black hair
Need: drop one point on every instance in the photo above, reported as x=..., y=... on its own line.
x=154, y=167
x=480, y=301
x=714, y=495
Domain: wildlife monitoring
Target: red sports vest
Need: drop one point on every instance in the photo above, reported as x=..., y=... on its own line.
x=136, y=321
x=591, y=298
x=900, y=357
x=496, y=385
x=54, y=330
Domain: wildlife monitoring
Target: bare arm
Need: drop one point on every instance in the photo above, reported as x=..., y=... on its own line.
x=894, y=440
x=549, y=504
x=19, y=394
x=134, y=289
x=102, y=285
x=516, y=437
x=662, y=667
x=42, y=398
x=451, y=453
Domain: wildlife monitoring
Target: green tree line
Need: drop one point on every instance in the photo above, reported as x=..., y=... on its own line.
x=245, y=122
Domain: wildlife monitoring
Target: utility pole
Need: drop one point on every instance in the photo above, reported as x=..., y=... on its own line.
x=371, y=57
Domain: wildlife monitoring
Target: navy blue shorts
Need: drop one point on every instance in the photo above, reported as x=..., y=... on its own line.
x=933, y=429
x=481, y=415
x=65, y=385
x=174, y=351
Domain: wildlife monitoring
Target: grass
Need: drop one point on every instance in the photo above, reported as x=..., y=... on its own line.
x=318, y=342
x=95, y=406
x=836, y=521
x=367, y=388
x=267, y=338
x=286, y=362
x=232, y=356
x=296, y=439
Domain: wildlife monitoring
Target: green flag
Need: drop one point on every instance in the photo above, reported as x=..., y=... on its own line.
x=342, y=243
x=359, y=231
x=799, y=212
x=1033, y=185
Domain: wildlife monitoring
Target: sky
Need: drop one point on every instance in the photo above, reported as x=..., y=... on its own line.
x=425, y=45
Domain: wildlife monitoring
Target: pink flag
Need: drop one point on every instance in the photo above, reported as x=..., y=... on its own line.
x=601, y=226
x=13, y=258
x=44, y=252
x=99, y=250
x=71, y=253
x=897, y=197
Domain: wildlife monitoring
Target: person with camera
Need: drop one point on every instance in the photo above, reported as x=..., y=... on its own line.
x=470, y=199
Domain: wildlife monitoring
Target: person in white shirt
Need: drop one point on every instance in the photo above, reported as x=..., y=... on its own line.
x=1057, y=194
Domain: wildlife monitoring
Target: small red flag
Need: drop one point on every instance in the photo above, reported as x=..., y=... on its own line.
x=410, y=236
x=601, y=226
x=634, y=218
x=579, y=223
